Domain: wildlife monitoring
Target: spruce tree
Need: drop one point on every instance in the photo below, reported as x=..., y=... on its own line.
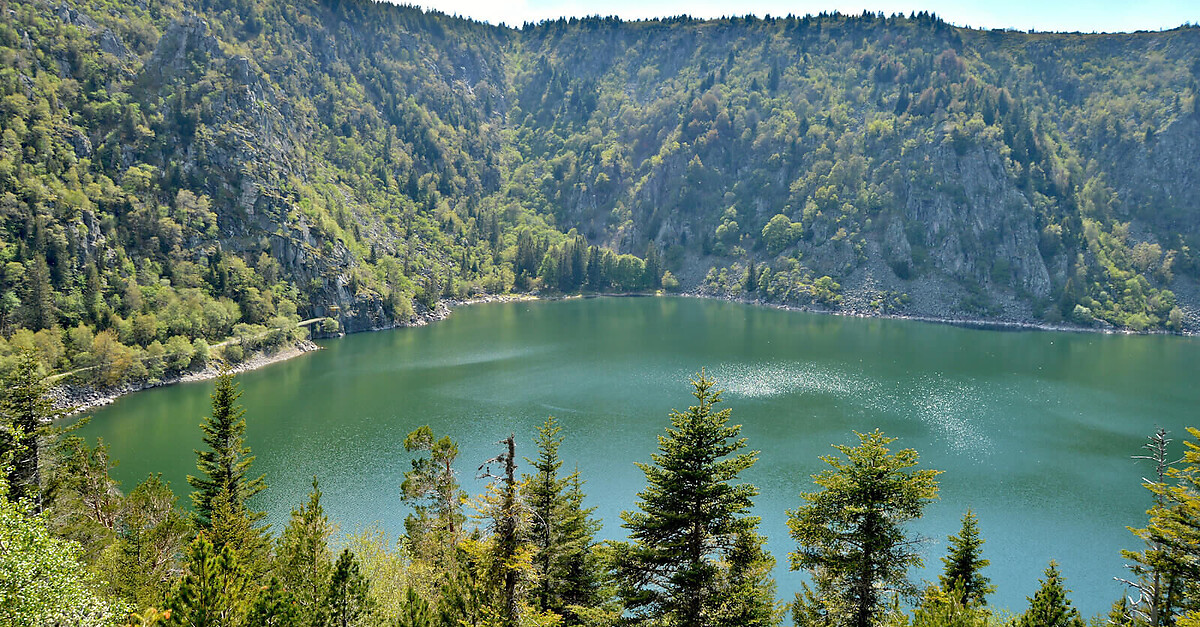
x=747, y=592
x=691, y=517
x=964, y=563
x=227, y=460
x=1049, y=606
x=850, y=533
x=561, y=530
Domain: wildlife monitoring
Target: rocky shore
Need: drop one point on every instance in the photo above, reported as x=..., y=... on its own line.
x=76, y=399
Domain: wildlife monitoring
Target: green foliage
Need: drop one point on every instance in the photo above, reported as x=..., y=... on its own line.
x=1168, y=570
x=1049, y=606
x=347, y=599
x=214, y=590
x=25, y=410
x=940, y=607
x=303, y=561
x=851, y=534
x=42, y=578
x=561, y=530
x=227, y=460
x=220, y=495
x=152, y=533
x=690, y=512
x=435, y=525
x=964, y=563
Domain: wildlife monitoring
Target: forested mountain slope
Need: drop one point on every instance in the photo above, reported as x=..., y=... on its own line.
x=178, y=172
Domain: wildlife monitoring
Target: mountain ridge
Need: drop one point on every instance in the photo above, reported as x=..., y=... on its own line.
x=182, y=171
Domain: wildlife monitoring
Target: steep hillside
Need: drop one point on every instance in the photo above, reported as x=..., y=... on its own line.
x=174, y=173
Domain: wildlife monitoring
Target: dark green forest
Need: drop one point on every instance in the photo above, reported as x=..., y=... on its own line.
x=79, y=550
x=177, y=174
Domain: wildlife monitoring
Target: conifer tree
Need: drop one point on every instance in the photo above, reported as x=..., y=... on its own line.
x=303, y=560
x=227, y=460
x=213, y=591
x=25, y=414
x=691, y=517
x=347, y=599
x=432, y=489
x=964, y=563
x=1168, y=570
x=415, y=611
x=561, y=530
x=275, y=606
x=1050, y=606
x=747, y=592
x=850, y=533
x=508, y=554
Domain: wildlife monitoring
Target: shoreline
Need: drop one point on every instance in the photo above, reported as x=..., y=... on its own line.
x=75, y=399
x=967, y=323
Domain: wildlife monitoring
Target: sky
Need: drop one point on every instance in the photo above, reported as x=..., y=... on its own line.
x=1043, y=15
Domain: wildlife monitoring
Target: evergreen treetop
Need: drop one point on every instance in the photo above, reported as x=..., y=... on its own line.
x=964, y=563
x=226, y=461
x=690, y=516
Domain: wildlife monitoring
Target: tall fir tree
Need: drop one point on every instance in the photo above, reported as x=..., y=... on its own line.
x=226, y=461
x=561, y=530
x=851, y=535
x=964, y=563
x=691, y=517
x=1050, y=606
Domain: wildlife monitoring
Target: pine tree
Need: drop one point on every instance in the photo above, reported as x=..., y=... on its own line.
x=1163, y=569
x=850, y=534
x=275, y=606
x=347, y=599
x=303, y=560
x=415, y=612
x=227, y=460
x=509, y=555
x=212, y=592
x=964, y=563
x=432, y=487
x=690, y=513
x=1049, y=606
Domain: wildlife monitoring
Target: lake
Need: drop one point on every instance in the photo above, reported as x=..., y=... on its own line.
x=1034, y=430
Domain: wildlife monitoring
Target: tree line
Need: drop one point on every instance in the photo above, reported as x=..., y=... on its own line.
x=525, y=553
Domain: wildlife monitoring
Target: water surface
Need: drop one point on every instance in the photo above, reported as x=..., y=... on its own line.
x=1034, y=430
